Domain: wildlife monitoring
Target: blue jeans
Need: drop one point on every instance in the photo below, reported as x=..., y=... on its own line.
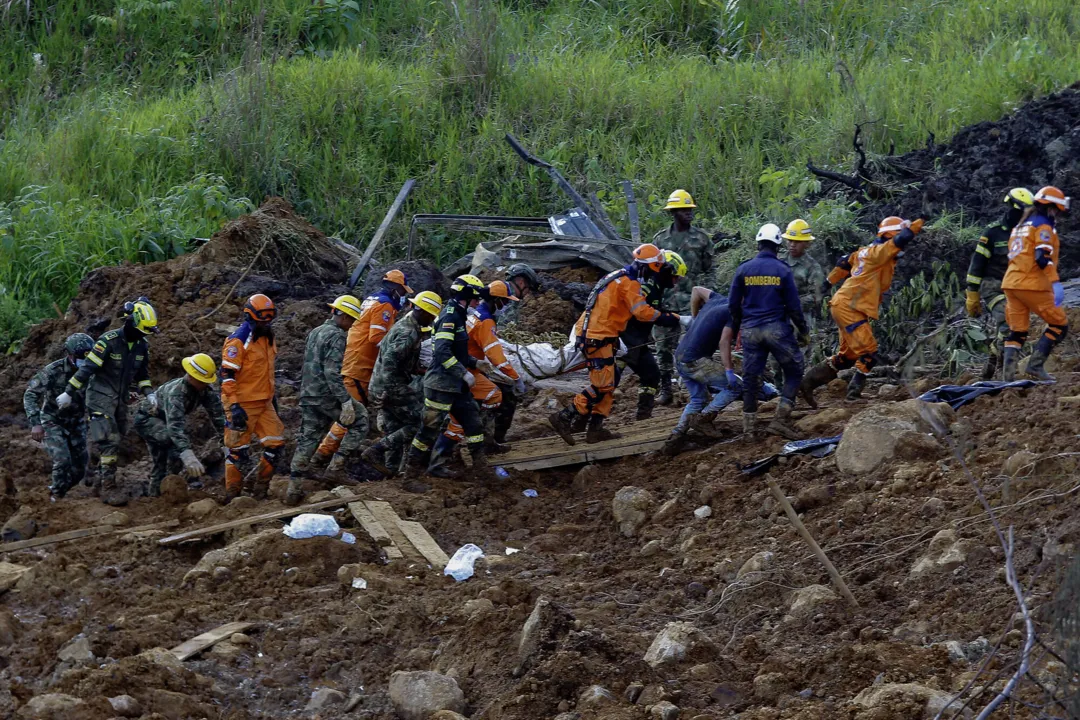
x=709, y=392
x=776, y=339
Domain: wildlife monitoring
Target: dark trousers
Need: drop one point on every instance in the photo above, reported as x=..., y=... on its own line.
x=438, y=404
x=776, y=339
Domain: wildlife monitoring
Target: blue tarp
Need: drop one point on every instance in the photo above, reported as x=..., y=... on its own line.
x=960, y=395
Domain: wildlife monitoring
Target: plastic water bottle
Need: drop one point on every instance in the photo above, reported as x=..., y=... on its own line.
x=460, y=566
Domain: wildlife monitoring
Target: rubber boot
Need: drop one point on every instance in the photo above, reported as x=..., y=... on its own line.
x=703, y=421
x=597, y=432
x=990, y=367
x=821, y=374
x=1038, y=358
x=579, y=423
x=295, y=493
x=749, y=422
x=667, y=395
x=781, y=422
x=320, y=460
x=441, y=457
x=414, y=470
x=856, y=385
x=375, y=456
x=111, y=493
x=645, y=403
x=562, y=423
x=675, y=443
x=1010, y=359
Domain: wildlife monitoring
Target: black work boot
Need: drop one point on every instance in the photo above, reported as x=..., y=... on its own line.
x=675, y=443
x=414, y=470
x=990, y=367
x=1038, y=358
x=781, y=422
x=856, y=385
x=375, y=456
x=441, y=457
x=645, y=403
x=295, y=492
x=597, y=433
x=1010, y=359
x=562, y=423
x=667, y=395
x=821, y=374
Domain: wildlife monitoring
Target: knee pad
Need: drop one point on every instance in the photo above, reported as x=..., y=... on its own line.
x=868, y=361
x=238, y=456
x=273, y=456
x=1016, y=339
x=1056, y=333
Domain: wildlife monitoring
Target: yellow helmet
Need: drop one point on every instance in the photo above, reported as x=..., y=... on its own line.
x=427, y=301
x=347, y=304
x=678, y=200
x=471, y=284
x=201, y=367
x=798, y=230
x=144, y=316
x=675, y=260
x=1019, y=198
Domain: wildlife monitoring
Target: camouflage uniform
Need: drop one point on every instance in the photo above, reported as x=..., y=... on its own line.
x=397, y=388
x=696, y=249
x=322, y=393
x=65, y=430
x=163, y=428
x=111, y=367
x=809, y=281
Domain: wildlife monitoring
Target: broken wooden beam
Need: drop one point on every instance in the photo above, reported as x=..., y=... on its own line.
x=252, y=519
x=395, y=207
x=95, y=531
x=197, y=644
x=424, y=543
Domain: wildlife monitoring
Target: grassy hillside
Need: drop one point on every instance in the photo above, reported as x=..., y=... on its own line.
x=131, y=126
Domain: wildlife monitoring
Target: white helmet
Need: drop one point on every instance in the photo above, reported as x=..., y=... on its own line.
x=769, y=232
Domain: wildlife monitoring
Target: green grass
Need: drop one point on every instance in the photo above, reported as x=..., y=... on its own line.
x=334, y=106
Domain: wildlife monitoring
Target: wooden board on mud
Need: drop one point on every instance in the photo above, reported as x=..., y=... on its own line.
x=95, y=531
x=197, y=644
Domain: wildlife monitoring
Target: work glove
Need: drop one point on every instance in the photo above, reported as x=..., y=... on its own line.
x=192, y=467
x=1059, y=294
x=348, y=414
x=37, y=433
x=63, y=400
x=519, y=386
x=152, y=399
x=684, y=320
x=973, y=303
x=485, y=367
x=733, y=380
x=239, y=417
x=470, y=379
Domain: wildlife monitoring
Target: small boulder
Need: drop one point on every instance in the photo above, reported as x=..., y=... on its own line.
x=664, y=710
x=769, y=686
x=595, y=697
x=651, y=548
x=586, y=478
x=677, y=642
x=323, y=698
x=806, y=600
x=631, y=507
x=447, y=715
x=416, y=695
x=20, y=526
x=116, y=519
x=893, y=430
x=758, y=562
x=53, y=706
x=703, y=512
x=174, y=490
x=892, y=695
x=667, y=511
x=126, y=706
x=226, y=651
x=1020, y=463
x=10, y=574
x=477, y=606
x=77, y=651
x=945, y=554
x=822, y=420
x=887, y=390
x=199, y=509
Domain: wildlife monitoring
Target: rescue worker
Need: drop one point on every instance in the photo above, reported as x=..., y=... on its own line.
x=393, y=388
x=61, y=431
x=764, y=305
x=701, y=374
x=119, y=358
x=447, y=386
x=636, y=337
x=866, y=274
x=1032, y=284
x=378, y=313
x=524, y=280
x=248, y=392
x=987, y=269
x=325, y=404
x=159, y=419
x=809, y=278
x=614, y=300
x=696, y=249
x=484, y=344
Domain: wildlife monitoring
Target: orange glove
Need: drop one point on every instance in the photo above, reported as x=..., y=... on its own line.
x=916, y=225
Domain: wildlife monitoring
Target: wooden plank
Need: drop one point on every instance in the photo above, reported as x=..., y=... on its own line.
x=197, y=644
x=375, y=529
x=422, y=541
x=395, y=207
x=252, y=519
x=389, y=520
x=95, y=531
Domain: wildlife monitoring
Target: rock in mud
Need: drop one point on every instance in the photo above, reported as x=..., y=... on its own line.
x=54, y=706
x=595, y=697
x=174, y=489
x=818, y=422
x=10, y=574
x=631, y=507
x=945, y=554
x=77, y=651
x=892, y=695
x=758, y=562
x=116, y=519
x=233, y=554
x=199, y=509
x=895, y=430
x=416, y=695
x=805, y=601
x=546, y=624
x=20, y=526
x=768, y=687
x=1022, y=462
x=323, y=698
x=447, y=715
x=126, y=706
x=677, y=642
x=664, y=710
x=666, y=511
x=651, y=548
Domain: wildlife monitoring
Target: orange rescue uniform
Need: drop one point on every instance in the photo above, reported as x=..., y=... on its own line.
x=1028, y=287
x=483, y=344
x=247, y=369
x=377, y=315
x=869, y=272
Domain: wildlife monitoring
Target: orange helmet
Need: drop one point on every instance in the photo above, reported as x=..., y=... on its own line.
x=890, y=226
x=396, y=276
x=649, y=255
x=501, y=289
x=1050, y=195
x=260, y=308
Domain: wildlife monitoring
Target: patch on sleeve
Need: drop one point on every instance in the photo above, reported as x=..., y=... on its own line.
x=386, y=316
x=1044, y=235
x=232, y=351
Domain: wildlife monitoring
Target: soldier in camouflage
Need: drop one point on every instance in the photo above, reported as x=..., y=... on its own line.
x=120, y=358
x=325, y=404
x=809, y=281
x=396, y=386
x=159, y=419
x=62, y=431
x=696, y=249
